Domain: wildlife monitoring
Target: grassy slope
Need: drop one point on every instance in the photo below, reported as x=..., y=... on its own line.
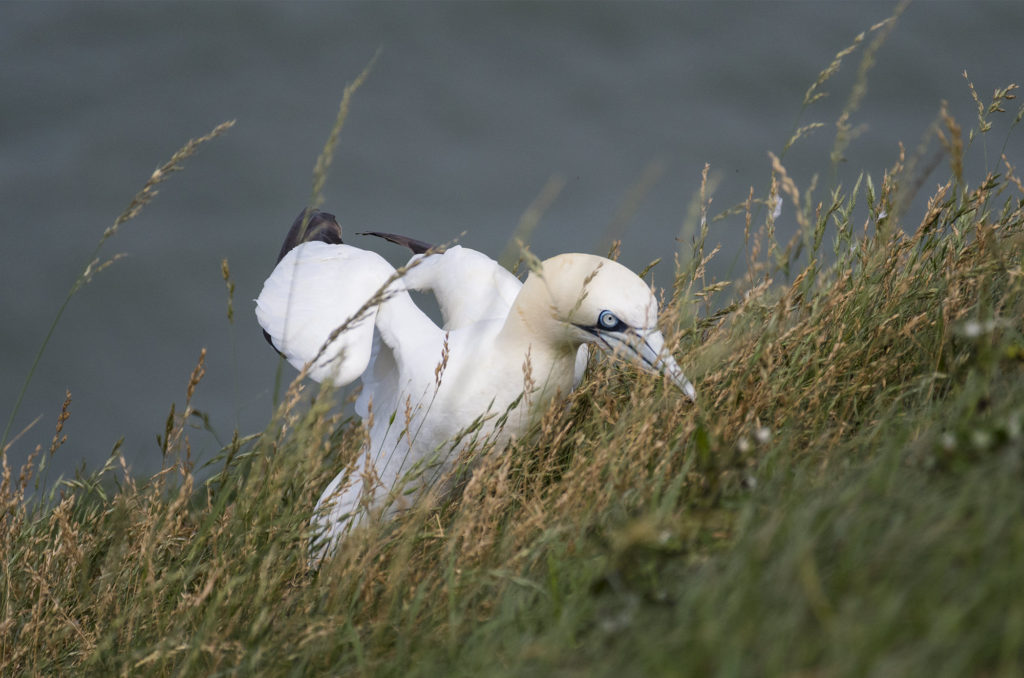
x=847, y=499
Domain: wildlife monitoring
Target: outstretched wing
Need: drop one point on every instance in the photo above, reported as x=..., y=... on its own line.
x=316, y=288
x=469, y=286
x=310, y=225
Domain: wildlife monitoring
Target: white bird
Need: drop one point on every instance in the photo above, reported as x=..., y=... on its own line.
x=506, y=349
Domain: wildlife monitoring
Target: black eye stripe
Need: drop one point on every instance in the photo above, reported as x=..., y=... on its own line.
x=646, y=357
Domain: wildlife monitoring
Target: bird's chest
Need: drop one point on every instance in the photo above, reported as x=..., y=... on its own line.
x=491, y=390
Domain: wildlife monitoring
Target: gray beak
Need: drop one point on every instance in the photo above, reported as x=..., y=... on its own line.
x=647, y=349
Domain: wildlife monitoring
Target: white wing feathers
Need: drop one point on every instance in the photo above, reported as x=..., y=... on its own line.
x=469, y=286
x=316, y=288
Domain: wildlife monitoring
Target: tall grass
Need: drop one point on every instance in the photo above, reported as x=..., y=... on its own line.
x=847, y=498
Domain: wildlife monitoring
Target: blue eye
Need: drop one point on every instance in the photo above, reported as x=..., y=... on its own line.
x=608, y=321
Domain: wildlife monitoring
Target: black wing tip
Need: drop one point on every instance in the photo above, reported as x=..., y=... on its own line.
x=417, y=246
x=311, y=225
x=266, y=335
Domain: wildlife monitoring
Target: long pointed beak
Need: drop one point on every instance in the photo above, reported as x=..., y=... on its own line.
x=647, y=349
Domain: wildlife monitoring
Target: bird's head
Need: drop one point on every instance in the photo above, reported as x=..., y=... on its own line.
x=598, y=301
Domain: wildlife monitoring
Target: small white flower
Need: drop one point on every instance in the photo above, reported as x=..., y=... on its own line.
x=972, y=329
x=981, y=439
x=763, y=434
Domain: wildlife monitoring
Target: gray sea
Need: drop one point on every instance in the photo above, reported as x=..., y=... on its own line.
x=471, y=109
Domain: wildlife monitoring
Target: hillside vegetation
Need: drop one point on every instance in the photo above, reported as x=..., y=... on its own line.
x=846, y=497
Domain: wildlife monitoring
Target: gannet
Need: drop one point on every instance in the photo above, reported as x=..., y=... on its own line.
x=505, y=351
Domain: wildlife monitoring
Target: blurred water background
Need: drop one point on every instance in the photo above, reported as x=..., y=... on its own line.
x=469, y=112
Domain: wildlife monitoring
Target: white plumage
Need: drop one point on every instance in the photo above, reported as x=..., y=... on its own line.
x=424, y=385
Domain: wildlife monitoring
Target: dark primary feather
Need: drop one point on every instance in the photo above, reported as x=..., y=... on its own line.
x=317, y=226
x=417, y=246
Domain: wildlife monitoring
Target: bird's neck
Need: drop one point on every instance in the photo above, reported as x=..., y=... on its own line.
x=532, y=331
